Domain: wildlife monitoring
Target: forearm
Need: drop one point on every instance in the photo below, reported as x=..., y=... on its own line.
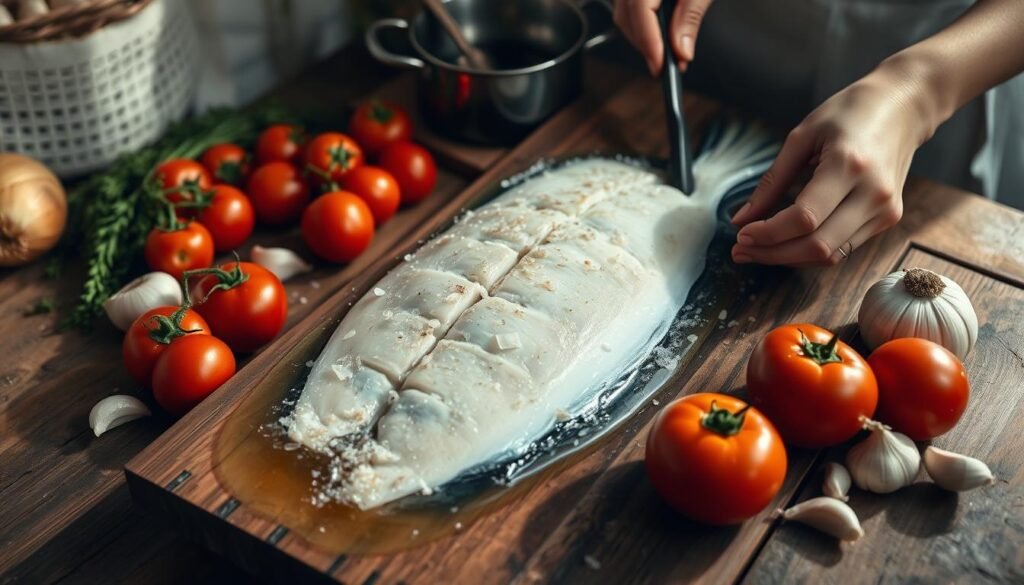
x=978, y=51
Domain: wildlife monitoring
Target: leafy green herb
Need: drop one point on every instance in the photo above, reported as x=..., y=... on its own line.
x=42, y=306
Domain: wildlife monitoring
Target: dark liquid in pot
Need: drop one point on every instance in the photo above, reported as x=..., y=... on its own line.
x=506, y=55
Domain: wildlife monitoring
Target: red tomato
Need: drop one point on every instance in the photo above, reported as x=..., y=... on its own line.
x=377, y=188
x=189, y=370
x=413, y=167
x=332, y=155
x=229, y=218
x=175, y=251
x=248, y=311
x=338, y=226
x=280, y=142
x=150, y=335
x=182, y=180
x=377, y=123
x=715, y=459
x=812, y=386
x=922, y=387
x=278, y=193
x=227, y=163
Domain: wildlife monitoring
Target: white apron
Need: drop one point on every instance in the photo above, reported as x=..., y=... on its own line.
x=781, y=58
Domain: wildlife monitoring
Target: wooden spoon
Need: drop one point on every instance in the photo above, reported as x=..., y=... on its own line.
x=475, y=57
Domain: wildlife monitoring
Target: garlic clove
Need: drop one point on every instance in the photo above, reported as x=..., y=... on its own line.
x=837, y=482
x=883, y=462
x=114, y=411
x=956, y=472
x=149, y=291
x=5, y=16
x=283, y=262
x=829, y=515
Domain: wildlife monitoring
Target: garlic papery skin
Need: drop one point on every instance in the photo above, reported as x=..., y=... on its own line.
x=829, y=515
x=283, y=262
x=837, y=482
x=883, y=462
x=149, y=291
x=114, y=411
x=919, y=303
x=956, y=472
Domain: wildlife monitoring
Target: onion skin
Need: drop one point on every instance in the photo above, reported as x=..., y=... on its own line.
x=33, y=209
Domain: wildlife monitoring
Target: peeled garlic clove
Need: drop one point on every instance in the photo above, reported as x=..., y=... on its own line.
x=956, y=472
x=885, y=461
x=829, y=515
x=149, y=291
x=837, y=482
x=283, y=262
x=114, y=411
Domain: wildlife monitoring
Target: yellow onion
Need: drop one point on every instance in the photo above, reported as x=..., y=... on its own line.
x=33, y=209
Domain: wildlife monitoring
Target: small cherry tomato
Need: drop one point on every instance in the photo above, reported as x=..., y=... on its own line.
x=278, y=193
x=229, y=218
x=338, y=226
x=811, y=385
x=151, y=333
x=227, y=163
x=714, y=458
x=175, y=251
x=413, y=167
x=244, y=303
x=182, y=179
x=190, y=369
x=377, y=188
x=332, y=155
x=922, y=387
x=281, y=142
x=377, y=123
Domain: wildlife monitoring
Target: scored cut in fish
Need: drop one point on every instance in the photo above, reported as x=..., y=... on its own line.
x=470, y=349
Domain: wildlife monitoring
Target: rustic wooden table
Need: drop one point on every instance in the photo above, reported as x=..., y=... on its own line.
x=66, y=514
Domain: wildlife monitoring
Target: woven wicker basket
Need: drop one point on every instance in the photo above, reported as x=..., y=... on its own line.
x=83, y=84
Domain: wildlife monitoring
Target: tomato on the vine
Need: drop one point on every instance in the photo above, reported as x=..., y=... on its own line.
x=377, y=123
x=714, y=458
x=244, y=303
x=150, y=333
x=922, y=387
x=189, y=370
x=229, y=218
x=377, y=188
x=332, y=155
x=182, y=180
x=413, y=167
x=280, y=142
x=278, y=193
x=812, y=386
x=338, y=226
x=176, y=250
x=227, y=163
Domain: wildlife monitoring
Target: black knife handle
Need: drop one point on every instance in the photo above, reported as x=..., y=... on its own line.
x=679, y=164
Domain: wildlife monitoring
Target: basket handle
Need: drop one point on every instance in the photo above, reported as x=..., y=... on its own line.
x=384, y=55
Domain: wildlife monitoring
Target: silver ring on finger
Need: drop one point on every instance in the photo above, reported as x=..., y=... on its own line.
x=844, y=252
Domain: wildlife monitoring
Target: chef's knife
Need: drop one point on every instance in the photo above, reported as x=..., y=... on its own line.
x=679, y=161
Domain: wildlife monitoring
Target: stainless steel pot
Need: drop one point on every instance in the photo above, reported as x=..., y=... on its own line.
x=535, y=46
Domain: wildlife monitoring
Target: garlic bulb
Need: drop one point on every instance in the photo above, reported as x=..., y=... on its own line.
x=149, y=291
x=114, y=411
x=955, y=472
x=829, y=515
x=283, y=262
x=885, y=461
x=837, y=482
x=919, y=303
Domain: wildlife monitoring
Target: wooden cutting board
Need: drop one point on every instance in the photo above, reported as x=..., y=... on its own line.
x=596, y=517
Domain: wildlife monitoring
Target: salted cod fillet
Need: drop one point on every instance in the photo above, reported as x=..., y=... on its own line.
x=470, y=348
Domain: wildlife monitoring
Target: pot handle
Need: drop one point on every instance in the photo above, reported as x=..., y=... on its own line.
x=384, y=55
x=609, y=31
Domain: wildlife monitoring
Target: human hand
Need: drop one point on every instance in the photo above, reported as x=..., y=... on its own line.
x=638, y=20
x=859, y=144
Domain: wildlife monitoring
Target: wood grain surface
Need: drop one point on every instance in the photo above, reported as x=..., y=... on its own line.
x=599, y=520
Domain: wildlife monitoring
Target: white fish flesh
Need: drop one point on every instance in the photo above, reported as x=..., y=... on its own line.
x=472, y=347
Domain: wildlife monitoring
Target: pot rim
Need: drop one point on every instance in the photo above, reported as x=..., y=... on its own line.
x=542, y=66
